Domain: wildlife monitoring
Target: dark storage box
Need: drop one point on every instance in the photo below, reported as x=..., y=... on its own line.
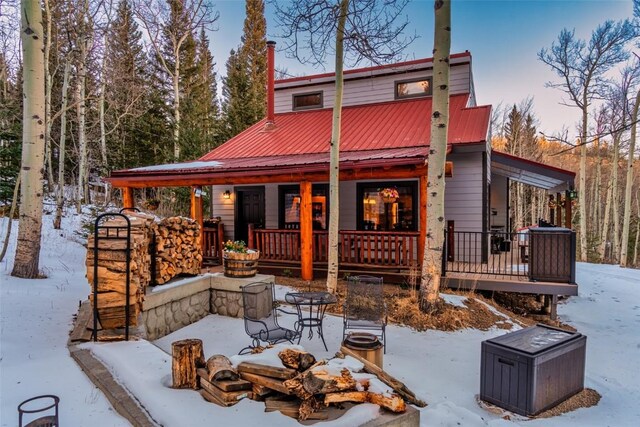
x=552, y=254
x=531, y=370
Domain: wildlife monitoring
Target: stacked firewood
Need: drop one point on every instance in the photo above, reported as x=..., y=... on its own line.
x=301, y=387
x=178, y=251
x=112, y=268
x=178, y=248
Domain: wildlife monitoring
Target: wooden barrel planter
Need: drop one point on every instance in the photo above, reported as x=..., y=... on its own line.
x=238, y=264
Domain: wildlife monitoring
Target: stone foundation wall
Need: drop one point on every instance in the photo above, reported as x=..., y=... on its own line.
x=226, y=303
x=167, y=309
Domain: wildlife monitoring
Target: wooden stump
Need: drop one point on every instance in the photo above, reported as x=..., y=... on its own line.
x=187, y=357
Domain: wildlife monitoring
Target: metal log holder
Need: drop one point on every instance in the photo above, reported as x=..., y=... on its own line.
x=111, y=232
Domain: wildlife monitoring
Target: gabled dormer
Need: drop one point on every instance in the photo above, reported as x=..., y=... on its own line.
x=395, y=82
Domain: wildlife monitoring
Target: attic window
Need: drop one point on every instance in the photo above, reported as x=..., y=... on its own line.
x=306, y=101
x=413, y=88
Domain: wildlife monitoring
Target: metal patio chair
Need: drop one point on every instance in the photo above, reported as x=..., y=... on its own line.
x=261, y=316
x=364, y=307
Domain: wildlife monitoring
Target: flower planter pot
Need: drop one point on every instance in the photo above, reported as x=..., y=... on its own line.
x=389, y=199
x=238, y=264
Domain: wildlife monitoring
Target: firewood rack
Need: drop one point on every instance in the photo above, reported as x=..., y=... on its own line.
x=111, y=232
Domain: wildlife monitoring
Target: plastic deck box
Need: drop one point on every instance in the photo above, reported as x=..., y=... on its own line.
x=533, y=369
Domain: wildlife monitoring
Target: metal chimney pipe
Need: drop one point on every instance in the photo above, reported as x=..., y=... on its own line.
x=271, y=47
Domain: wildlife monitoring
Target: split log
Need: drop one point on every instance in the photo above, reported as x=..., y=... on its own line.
x=187, y=357
x=296, y=359
x=268, y=382
x=267, y=370
x=320, y=382
x=231, y=397
x=220, y=368
x=291, y=408
x=398, y=386
x=393, y=403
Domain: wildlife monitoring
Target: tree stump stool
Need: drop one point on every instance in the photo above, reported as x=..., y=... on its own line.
x=187, y=357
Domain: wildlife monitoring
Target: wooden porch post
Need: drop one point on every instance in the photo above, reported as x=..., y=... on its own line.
x=196, y=209
x=558, y=210
x=422, y=237
x=567, y=210
x=127, y=197
x=306, y=232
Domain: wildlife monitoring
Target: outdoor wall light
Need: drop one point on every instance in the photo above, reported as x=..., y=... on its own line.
x=226, y=194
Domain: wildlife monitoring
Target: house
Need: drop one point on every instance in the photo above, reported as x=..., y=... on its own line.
x=269, y=184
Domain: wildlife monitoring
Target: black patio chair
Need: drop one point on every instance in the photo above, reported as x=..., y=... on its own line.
x=261, y=316
x=364, y=307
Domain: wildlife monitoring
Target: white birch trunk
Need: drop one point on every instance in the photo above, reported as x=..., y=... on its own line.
x=47, y=102
x=434, y=242
x=82, y=135
x=582, y=188
x=57, y=221
x=615, y=197
x=176, y=108
x=27, y=255
x=606, y=223
x=635, y=246
x=626, y=222
x=334, y=162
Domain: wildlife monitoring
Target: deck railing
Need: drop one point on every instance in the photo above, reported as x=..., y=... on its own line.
x=542, y=255
x=390, y=249
x=212, y=241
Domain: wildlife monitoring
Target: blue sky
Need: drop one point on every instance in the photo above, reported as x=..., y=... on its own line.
x=502, y=36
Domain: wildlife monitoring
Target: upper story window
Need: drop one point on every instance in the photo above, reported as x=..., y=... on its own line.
x=413, y=88
x=306, y=101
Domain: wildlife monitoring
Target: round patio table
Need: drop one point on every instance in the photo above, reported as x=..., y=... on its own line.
x=311, y=307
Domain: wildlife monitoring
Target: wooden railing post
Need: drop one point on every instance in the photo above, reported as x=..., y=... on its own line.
x=558, y=220
x=251, y=237
x=306, y=232
x=220, y=240
x=567, y=210
x=196, y=210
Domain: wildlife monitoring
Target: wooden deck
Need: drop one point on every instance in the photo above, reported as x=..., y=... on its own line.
x=520, y=284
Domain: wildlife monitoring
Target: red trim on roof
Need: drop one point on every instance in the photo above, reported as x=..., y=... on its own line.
x=374, y=68
x=532, y=162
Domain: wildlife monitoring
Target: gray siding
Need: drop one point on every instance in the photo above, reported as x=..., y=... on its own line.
x=371, y=90
x=463, y=192
x=499, y=202
x=223, y=208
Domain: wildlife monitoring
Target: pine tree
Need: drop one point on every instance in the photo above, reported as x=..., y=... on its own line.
x=234, y=90
x=10, y=131
x=244, y=91
x=254, y=55
x=125, y=84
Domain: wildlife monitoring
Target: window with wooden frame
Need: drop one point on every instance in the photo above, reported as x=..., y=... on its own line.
x=379, y=213
x=307, y=101
x=413, y=88
x=289, y=206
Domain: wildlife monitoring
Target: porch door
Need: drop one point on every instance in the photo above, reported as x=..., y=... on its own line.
x=249, y=210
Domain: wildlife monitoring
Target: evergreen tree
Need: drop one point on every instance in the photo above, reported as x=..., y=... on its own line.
x=10, y=132
x=254, y=55
x=234, y=91
x=125, y=89
x=244, y=91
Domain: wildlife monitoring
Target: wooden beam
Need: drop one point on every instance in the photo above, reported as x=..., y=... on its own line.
x=558, y=220
x=306, y=231
x=196, y=208
x=299, y=174
x=422, y=237
x=127, y=197
x=567, y=210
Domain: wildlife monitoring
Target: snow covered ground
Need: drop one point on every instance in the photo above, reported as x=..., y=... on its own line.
x=441, y=367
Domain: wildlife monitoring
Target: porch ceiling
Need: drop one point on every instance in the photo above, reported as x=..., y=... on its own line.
x=531, y=173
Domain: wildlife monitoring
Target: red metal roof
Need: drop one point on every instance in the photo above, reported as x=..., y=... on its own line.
x=389, y=125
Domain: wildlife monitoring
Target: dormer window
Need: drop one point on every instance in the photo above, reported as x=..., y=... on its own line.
x=413, y=88
x=307, y=101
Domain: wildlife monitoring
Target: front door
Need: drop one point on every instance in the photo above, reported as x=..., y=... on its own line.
x=249, y=210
